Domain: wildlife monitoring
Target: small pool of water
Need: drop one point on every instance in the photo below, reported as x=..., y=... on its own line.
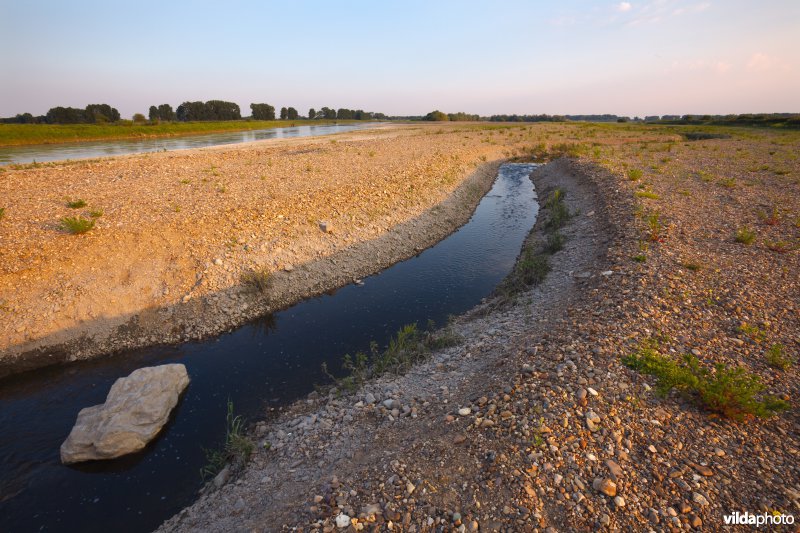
x=269, y=362
x=91, y=149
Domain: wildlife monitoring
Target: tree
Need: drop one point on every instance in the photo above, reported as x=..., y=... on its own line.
x=101, y=113
x=262, y=112
x=312, y=114
x=328, y=113
x=211, y=110
x=165, y=112
x=436, y=116
x=291, y=113
x=284, y=113
x=344, y=114
x=152, y=113
x=138, y=118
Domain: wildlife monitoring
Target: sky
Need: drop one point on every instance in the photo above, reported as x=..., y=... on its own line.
x=405, y=57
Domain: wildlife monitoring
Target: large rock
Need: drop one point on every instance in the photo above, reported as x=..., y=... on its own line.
x=136, y=409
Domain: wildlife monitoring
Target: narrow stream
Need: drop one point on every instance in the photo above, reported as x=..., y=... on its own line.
x=267, y=363
x=90, y=149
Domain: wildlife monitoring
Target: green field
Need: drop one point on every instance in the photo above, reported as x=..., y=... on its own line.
x=22, y=134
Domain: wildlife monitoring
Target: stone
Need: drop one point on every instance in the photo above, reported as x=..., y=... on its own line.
x=222, y=478
x=592, y=421
x=619, y=501
x=614, y=468
x=325, y=226
x=695, y=521
x=699, y=499
x=342, y=521
x=135, y=410
x=704, y=470
x=464, y=411
x=370, y=398
x=606, y=486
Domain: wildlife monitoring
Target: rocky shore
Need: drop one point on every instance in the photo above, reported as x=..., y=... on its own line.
x=533, y=423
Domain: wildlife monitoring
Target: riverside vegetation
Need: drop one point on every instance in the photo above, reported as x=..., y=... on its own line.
x=546, y=413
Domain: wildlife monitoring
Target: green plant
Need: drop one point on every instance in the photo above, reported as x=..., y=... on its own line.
x=647, y=194
x=558, y=212
x=780, y=247
x=96, y=213
x=635, y=174
x=640, y=258
x=776, y=357
x=771, y=219
x=235, y=451
x=555, y=242
x=655, y=227
x=258, y=278
x=728, y=182
x=2, y=212
x=745, y=235
x=76, y=225
x=690, y=265
x=76, y=204
x=732, y=392
x=754, y=332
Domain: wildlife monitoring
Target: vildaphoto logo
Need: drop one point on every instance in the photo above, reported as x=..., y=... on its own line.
x=758, y=520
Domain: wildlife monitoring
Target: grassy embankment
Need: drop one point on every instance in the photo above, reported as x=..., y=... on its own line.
x=24, y=134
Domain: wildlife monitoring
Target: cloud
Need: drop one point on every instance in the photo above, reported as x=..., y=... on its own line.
x=658, y=10
x=622, y=7
x=760, y=62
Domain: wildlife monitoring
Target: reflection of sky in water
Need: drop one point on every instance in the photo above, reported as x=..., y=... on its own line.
x=90, y=149
x=272, y=360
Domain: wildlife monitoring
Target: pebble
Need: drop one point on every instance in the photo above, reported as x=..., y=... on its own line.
x=606, y=486
x=342, y=521
x=699, y=499
x=464, y=411
x=619, y=501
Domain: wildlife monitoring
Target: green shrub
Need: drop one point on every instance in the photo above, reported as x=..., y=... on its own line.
x=76, y=225
x=555, y=242
x=635, y=174
x=2, y=212
x=260, y=279
x=654, y=226
x=732, y=392
x=745, y=235
x=777, y=359
x=557, y=210
x=647, y=194
x=76, y=204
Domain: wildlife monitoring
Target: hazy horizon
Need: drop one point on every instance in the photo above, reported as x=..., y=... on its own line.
x=627, y=58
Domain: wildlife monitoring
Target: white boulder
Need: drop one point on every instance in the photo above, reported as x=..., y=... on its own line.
x=136, y=409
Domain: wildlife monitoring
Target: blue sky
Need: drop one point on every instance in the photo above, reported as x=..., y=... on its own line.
x=405, y=57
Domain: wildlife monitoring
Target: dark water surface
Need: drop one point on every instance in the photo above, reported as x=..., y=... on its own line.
x=269, y=362
x=91, y=149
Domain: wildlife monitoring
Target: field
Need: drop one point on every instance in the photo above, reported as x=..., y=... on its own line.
x=22, y=134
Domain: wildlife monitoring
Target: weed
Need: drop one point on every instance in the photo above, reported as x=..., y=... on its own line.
x=258, y=278
x=655, y=227
x=728, y=182
x=732, y=392
x=771, y=219
x=532, y=268
x=76, y=225
x=780, y=247
x=777, y=359
x=647, y=194
x=76, y=204
x=745, y=235
x=557, y=209
x=705, y=176
x=186, y=182
x=2, y=212
x=635, y=174
x=704, y=135
x=689, y=265
x=754, y=332
x=96, y=213
x=555, y=242
x=236, y=450
x=640, y=258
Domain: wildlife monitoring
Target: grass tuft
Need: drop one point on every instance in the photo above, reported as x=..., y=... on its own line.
x=745, y=235
x=258, y=278
x=235, y=451
x=76, y=225
x=776, y=358
x=76, y=204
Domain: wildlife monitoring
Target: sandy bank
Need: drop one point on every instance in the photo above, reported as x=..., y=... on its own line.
x=177, y=232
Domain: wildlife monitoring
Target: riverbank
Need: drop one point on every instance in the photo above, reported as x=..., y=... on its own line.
x=533, y=422
x=182, y=240
x=32, y=134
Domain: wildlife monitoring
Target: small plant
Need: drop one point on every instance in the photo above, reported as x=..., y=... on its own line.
x=780, y=247
x=532, y=268
x=654, y=226
x=690, y=265
x=647, y=194
x=2, y=212
x=640, y=258
x=777, y=359
x=185, y=181
x=732, y=392
x=555, y=242
x=76, y=204
x=635, y=174
x=235, y=451
x=96, y=213
x=77, y=225
x=557, y=209
x=260, y=279
x=754, y=332
x=771, y=219
x=745, y=235
x=728, y=182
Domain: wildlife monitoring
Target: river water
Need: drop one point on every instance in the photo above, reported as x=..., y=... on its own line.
x=267, y=363
x=91, y=149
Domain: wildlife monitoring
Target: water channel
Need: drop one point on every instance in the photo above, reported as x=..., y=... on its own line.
x=267, y=363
